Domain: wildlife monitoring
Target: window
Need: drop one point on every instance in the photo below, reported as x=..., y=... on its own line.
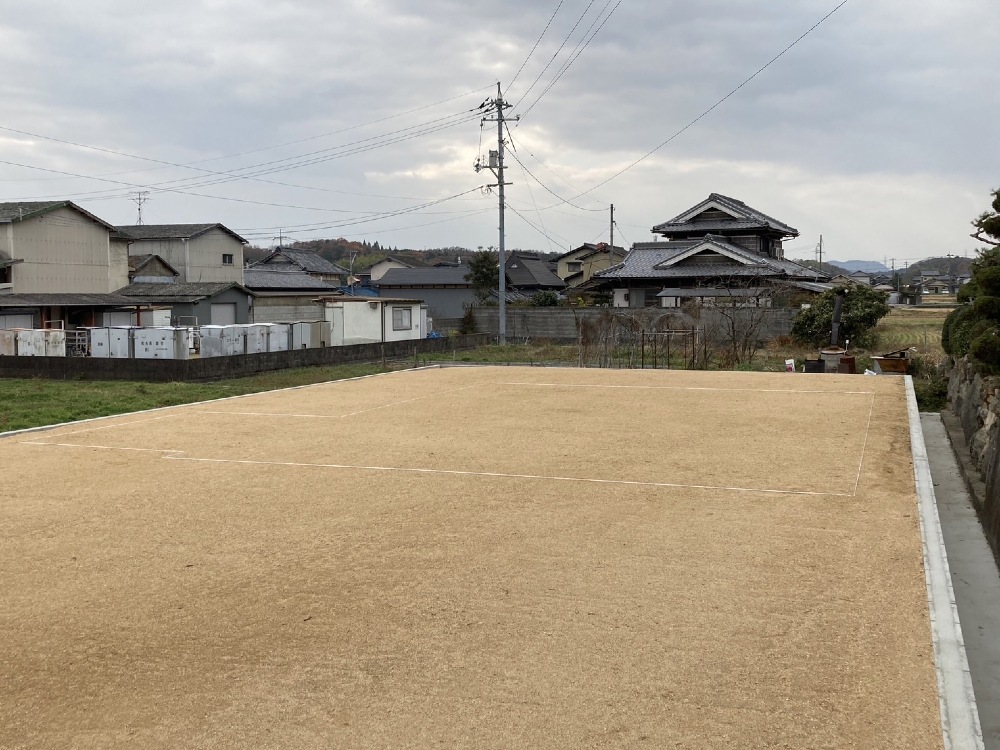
x=227, y=259
x=401, y=320
x=574, y=266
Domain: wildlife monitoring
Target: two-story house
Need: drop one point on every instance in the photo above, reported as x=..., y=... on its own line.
x=56, y=246
x=719, y=247
x=198, y=252
x=578, y=265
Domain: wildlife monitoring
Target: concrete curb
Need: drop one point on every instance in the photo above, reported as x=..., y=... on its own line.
x=960, y=725
x=43, y=428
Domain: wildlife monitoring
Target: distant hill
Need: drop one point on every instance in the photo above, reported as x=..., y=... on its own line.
x=867, y=266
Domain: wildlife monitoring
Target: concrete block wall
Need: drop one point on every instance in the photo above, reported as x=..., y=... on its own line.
x=560, y=323
x=222, y=368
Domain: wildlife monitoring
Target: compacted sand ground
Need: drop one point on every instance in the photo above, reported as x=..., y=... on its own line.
x=472, y=558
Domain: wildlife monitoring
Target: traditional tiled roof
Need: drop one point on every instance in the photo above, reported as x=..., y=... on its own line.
x=529, y=271
x=259, y=278
x=449, y=275
x=188, y=291
x=66, y=300
x=307, y=260
x=171, y=231
x=744, y=218
x=20, y=210
x=138, y=262
x=652, y=260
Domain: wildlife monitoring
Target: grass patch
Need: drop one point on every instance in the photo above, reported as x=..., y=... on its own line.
x=37, y=402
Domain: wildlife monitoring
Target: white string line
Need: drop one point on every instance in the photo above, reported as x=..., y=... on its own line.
x=116, y=424
x=177, y=455
x=864, y=446
x=689, y=388
x=496, y=474
x=103, y=447
x=337, y=416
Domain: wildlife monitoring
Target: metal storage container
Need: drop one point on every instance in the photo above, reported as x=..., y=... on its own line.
x=120, y=342
x=153, y=343
x=320, y=334
x=181, y=342
x=8, y=343
x=301, y=335
x=55, y=342
x=256, y=336
x=100, y=342
x=31, y=343
x=277, y=337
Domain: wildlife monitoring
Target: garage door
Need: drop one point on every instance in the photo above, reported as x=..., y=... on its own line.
x=17, y=321
x=224, y=314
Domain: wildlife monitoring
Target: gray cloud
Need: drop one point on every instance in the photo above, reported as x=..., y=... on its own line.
x=876, y=130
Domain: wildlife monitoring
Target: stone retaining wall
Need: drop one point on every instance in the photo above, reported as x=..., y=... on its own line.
x=975, y=401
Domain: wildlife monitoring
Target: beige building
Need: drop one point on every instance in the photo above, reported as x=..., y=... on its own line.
x=198, y=252
x=56, y=246
x=578, y=265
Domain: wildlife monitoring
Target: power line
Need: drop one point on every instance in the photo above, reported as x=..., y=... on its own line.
x=278, y=165
x=534, y=46
x=561, y=241
x=167, y=164
x=716, y=105
x=556, y=53
x=575, y=54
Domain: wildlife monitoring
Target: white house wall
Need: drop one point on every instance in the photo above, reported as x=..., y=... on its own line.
x=118, y=271
x=413, y=332
x=63, y=251
x=200, y=258
x=362, y=324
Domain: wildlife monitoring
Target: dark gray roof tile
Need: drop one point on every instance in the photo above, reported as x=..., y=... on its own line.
x=258, y=278
x=450, y=275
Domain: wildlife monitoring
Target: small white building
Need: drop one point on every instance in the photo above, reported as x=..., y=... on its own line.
x=367, y=320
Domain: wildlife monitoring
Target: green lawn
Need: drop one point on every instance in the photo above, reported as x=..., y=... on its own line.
x=37, y=402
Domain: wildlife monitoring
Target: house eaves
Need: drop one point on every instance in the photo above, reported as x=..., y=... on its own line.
x=22, y=210
x=142, y=232
x=743, y=217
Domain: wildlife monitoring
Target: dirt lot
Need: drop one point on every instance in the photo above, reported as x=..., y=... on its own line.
x=468, y=558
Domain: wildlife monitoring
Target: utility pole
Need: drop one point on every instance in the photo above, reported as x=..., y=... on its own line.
x=138, y=200
x=611, y=246
x=819, y=251
x=495, y=165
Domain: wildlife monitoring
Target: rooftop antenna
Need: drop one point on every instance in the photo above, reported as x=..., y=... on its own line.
x=139, y=198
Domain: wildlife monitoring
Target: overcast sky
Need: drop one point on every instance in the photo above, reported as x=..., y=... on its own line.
x=326, y=118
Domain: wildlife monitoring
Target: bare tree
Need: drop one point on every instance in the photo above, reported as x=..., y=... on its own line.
x=734, y=313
